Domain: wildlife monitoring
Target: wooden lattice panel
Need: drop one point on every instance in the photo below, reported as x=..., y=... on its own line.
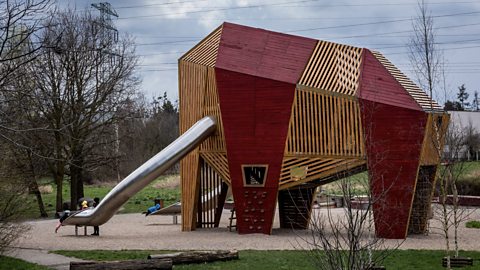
x=296, y=171
x=205, y=52
x=210, y=189
x=218, y=161
x=325, y=125
x=421, y=208
x=333, y=67
x=211, y=106
x=192, y=80
x=418, y=94
x=432, y=148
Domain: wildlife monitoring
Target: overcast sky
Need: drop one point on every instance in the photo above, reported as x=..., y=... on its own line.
x=165, y=29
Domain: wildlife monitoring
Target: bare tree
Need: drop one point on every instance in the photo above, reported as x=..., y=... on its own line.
x=20, y=22
x=20, y=25
x=425, y=57
x=12, y=197
x=80, y=79
x=345, y=238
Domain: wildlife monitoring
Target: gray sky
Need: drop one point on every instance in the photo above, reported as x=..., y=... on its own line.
x=165, y=29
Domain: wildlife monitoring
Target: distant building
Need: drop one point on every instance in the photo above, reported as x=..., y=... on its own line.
x=461, y=121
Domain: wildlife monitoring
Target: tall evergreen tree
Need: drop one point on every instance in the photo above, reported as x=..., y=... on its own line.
x=475, y=105
x=462, y=96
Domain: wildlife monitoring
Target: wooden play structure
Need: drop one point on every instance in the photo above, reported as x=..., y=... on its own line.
x=294, y=113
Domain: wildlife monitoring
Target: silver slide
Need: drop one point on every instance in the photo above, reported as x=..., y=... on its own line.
x=144, y=175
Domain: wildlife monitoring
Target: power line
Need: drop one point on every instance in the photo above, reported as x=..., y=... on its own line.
x=289, y=4
x=160, y=4
x=404, y=31
x=214, y=9
x=378, y=22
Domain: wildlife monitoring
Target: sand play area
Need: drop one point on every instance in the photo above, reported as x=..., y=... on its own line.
x=135, y=231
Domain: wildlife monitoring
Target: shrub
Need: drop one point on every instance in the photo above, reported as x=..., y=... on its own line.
x=473, y=224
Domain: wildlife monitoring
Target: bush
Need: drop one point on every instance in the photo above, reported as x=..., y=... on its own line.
x=469, y=185
x=473, y=224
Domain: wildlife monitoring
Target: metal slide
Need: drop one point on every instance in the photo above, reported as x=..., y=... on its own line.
x=144, y=175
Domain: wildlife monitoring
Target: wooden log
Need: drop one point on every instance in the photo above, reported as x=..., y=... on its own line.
x=197, y=256
x=160, y=264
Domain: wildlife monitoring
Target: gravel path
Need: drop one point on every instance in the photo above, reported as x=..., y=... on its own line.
x=134, y=231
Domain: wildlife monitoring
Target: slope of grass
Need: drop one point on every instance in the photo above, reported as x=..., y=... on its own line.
x=284, y=259
x=137, y=204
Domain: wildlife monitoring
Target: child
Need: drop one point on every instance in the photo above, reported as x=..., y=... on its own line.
x=65, y=215
x=96, y=229
x=153, y=209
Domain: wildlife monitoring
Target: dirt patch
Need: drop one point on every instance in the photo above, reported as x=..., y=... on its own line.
x=168, y=182
x=46, y=189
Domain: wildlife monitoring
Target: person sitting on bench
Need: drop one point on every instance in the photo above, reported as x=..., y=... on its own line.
x=154, y=208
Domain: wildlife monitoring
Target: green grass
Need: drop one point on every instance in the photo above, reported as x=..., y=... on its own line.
x=137, y=204
x=469, y=174
x=471, y=167
x=473, y=224
x=9, y=263
x=284, y=259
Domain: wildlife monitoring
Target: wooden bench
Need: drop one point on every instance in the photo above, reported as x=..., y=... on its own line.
x=84, y=230
x=457, y=262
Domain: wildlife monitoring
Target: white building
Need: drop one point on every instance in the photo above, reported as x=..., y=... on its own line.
x=461, y=121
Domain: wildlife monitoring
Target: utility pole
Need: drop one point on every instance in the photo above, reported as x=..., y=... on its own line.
x=108, y=37
x=108, y=31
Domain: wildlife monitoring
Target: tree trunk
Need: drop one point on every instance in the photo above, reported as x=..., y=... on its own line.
x=197, y=256
x=76, y=175
x=58, y=177
x=33, y=186
x=123, y=265
x=73, y=187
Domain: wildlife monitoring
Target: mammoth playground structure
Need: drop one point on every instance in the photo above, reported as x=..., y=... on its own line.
x=270, y=117
x=294, y=113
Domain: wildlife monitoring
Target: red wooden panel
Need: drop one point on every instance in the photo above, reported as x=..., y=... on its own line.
x=394, y=138
x=263, y=53
x=255, y=115
x=377, y=84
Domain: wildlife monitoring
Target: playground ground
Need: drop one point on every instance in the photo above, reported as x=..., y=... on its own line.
x=135, y=231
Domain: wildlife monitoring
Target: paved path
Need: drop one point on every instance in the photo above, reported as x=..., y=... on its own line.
x=42, y=257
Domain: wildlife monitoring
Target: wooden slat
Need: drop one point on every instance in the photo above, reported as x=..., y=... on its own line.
x=211, y=106
x=317, y=168
x=324, y=124
x=432, y=146
x=416, y=92
x=218, y=161
x=205, y=52
x=210, y=183
x=192, y=80
x=333, y=67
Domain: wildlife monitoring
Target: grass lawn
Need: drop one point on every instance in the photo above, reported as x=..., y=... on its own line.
x=471, y=167
x=137, y=204
x=9, y=263
x=283, y=259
